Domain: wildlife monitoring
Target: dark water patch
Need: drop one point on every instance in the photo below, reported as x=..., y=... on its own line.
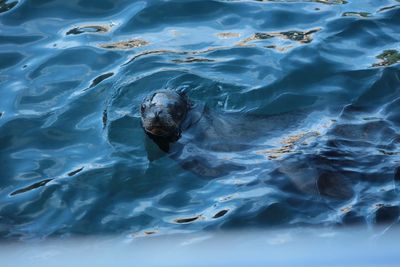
x=370, y=132
x=6, y=5
x=220, y=213
x=353, y=218
x=187, y=220
x=192, y=60
x=88, y=29
x=334, y=185
x=104, y=118
x=150, y=232
x=389, y=153
x=13, y=131
x=387, y=8
x=275, y=214
x=9, y=59
x=72, y=173
x=387, y=58
x=31, y=187
x=134, y=43
x=145, y=233
x=387, y=214
x=101, y=78
x=382, y=90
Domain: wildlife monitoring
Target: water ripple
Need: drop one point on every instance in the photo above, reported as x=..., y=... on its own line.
x=307, y=90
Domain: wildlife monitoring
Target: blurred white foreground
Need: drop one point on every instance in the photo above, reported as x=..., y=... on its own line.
x=300, y=247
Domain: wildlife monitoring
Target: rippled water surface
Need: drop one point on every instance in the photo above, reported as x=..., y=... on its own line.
x=311, y=89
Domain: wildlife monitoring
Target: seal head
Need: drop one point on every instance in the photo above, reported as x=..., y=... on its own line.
x=163, y=113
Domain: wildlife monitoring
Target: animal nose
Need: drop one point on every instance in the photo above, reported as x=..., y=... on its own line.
x=157, y=114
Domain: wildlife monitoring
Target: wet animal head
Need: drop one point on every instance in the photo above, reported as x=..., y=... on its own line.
x=162, y=114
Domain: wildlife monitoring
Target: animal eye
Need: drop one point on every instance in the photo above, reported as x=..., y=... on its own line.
x=142, y=107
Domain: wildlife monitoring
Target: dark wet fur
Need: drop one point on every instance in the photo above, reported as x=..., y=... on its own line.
x=208, y=135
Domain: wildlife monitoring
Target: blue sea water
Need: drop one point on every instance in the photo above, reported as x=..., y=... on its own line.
x=73, y=155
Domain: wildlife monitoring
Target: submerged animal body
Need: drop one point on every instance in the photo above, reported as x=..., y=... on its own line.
x=213, y=144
